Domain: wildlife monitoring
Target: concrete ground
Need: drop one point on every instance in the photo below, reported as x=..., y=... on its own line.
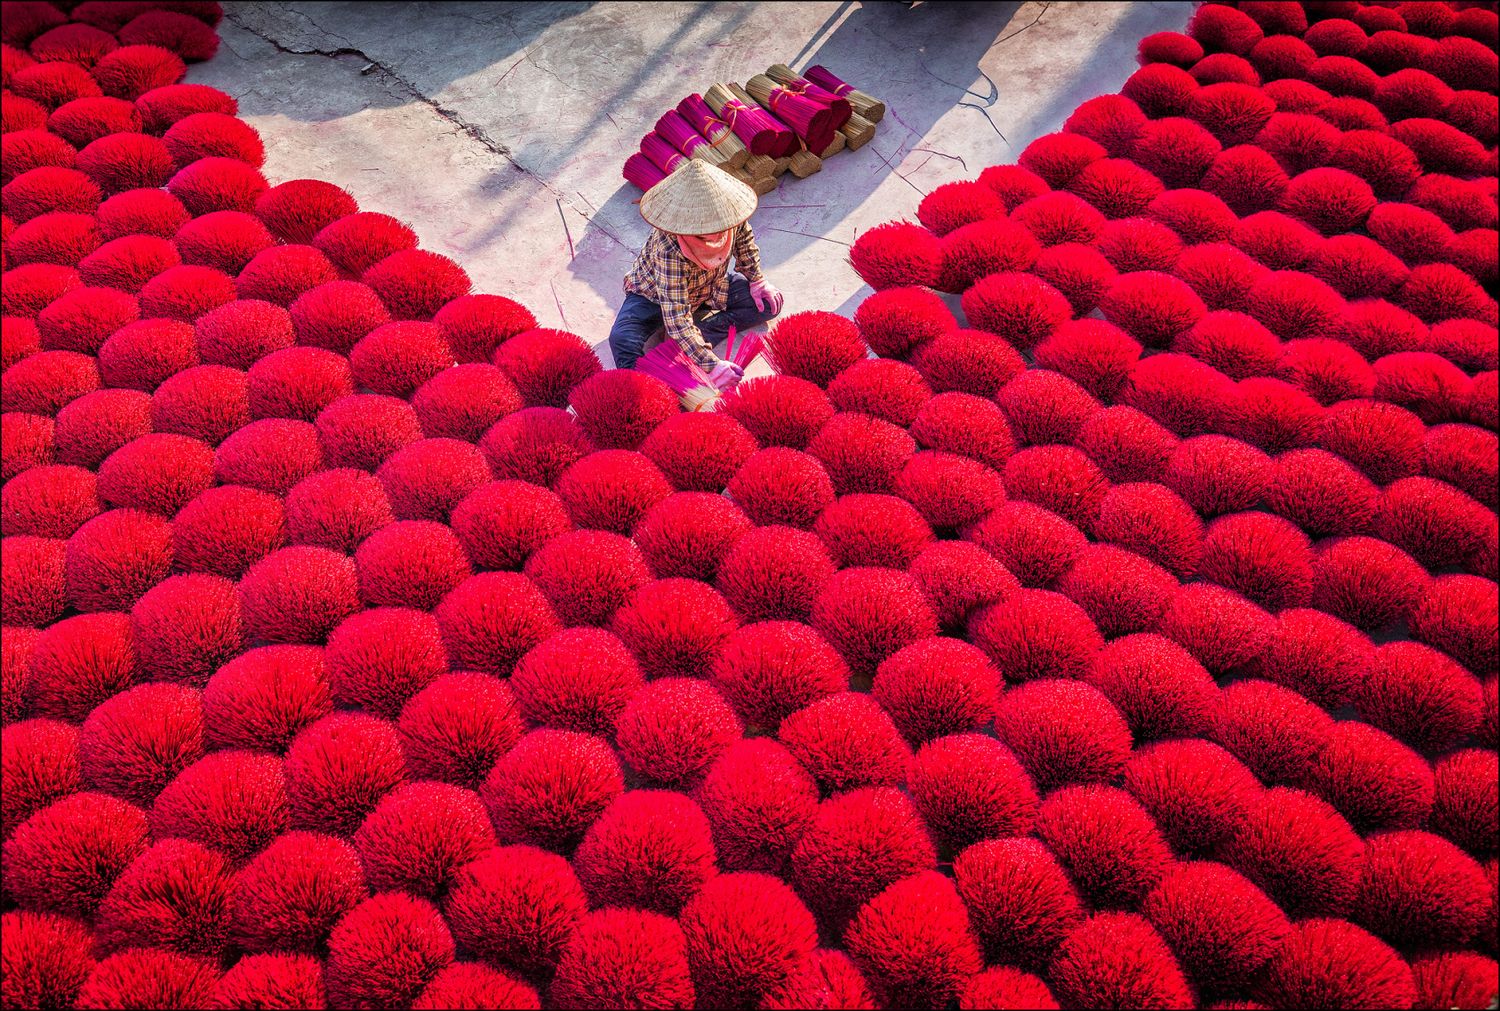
x=498, y=130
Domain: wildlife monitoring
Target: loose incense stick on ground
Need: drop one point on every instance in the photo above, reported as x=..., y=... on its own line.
x=870, y=108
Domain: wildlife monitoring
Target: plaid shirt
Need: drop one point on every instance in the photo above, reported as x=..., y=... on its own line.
x=677, y=284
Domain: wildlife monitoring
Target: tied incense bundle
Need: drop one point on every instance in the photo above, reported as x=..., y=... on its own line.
x=641, y=173
x=810, y=120
x=687, y=378
x=663, y=155
x=676, y=131
x=701, y=118
x=871, y=109
x=853, y=131
x=840, y=107
x=787, y=141
x=857, y=132
x=762, y=134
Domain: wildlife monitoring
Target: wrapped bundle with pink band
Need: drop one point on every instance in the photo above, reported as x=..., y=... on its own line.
x=811, y=121
x=761, y=133
x=663, y=155
x=701, y=118
x=641, y=173
x=676, y=130
x=840, y=107
x=864, y=105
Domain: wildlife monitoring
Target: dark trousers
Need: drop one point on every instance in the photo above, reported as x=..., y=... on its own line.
x=639, y=318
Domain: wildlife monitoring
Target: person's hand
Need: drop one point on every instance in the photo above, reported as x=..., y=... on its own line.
x=766, y=296
x=725, y=375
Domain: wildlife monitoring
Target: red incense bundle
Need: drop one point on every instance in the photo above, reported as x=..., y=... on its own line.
x=808, y=119
x=787, y=142
x=864, y=105
x=840, y=107
x=760, y=132
x=676, y=131
x=663, y=155
x=640, y=172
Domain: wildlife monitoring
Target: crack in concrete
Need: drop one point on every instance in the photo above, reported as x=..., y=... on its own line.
x=1018, y=31
x=460, y=124
x=387, y=73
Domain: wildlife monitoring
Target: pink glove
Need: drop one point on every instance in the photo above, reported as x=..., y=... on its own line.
x=765, y=294
x=725, y=375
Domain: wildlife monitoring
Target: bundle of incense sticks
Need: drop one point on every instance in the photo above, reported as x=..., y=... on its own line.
x=663, y=155
x=787, y=140
x=810, y=120
x=676, y=130
x=760, y=166
x=779, y=122
x=713, y=129
x=641, y=173
x=760, y=131
x=686, y=378
x=783, y=75
x=854, y=131
x=857, y=132
x=804, y=163
x=870, y=108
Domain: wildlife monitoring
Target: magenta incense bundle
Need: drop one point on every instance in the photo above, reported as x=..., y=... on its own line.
x=701, y=118
x=840, y=107
x=676, y=130
x=870, y=108
x=761, y=133
x=641, y=173
x=663, y=155
x=810, y=120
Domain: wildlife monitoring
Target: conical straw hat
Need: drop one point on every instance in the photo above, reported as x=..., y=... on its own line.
x=698, y=199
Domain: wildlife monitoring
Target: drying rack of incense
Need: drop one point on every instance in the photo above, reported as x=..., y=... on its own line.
x=775, y=123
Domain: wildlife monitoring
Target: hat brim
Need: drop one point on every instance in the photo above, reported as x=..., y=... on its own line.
x=698, y=199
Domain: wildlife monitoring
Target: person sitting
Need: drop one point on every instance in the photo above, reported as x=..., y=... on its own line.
x=699, y=217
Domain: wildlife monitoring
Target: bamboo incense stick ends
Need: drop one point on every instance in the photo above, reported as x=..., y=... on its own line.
x=804, y=163
x=857, y=132
x=760, y=166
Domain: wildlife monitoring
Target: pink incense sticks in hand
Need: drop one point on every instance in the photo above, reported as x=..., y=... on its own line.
x=694, y=386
